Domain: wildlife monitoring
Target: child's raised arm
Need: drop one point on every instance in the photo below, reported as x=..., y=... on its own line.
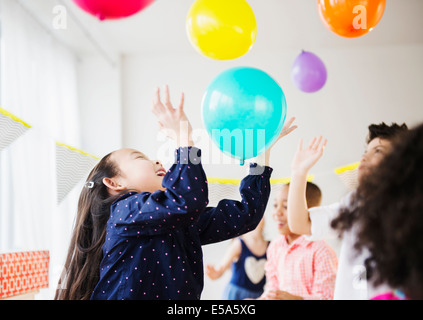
x=179, y=205
x=232, y=254
x=173, y=122
x=186, y=192
x=264, y=158
x=304, y=159
x=232, y=218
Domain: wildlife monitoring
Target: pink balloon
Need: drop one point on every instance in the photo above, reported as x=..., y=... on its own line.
x=112, y=9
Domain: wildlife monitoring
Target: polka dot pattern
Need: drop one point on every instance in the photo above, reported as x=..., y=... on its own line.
x=153, y=242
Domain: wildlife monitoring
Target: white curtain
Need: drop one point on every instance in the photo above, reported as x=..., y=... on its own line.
x=38, y=85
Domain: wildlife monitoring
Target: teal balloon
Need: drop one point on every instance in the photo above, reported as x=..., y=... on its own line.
x=244, y=110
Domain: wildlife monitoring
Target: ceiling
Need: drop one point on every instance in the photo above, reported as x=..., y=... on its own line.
x=282, y=24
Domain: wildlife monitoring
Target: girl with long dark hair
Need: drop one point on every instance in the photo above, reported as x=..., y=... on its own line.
x=140, y=228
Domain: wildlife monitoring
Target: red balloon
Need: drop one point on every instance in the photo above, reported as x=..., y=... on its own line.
x=112, y=9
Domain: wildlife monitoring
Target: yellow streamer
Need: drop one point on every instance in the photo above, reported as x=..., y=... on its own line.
x=310, y=178
x=77, y=150
x=348, y=167
x=13, y=117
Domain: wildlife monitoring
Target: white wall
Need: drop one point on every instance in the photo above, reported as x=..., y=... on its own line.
x=100, y=103
x=365, y=85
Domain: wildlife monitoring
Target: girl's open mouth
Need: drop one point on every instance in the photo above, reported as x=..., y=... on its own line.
x=161, y=172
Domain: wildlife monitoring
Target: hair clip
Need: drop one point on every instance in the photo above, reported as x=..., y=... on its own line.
x=89, y=185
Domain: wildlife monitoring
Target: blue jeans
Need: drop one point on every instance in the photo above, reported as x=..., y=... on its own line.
x=233, y=292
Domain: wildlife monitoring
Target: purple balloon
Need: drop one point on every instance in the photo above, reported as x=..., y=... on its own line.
x=309, y=72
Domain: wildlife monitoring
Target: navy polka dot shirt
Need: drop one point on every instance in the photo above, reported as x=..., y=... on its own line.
x=153, y=242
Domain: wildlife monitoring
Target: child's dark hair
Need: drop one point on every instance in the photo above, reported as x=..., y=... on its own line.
x=82, y=267
x=388, y=215
x=345, y=221
x=313, y=195
x=383, y=131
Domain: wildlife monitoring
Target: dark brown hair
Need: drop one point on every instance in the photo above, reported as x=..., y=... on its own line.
x=82, y=267
x=388, y=215
x=345, y=221
x=313, y=195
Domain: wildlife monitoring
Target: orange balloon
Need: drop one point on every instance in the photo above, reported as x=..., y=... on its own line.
x=351, y=18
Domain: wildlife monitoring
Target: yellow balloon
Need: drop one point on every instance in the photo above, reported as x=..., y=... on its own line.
x=222, y=29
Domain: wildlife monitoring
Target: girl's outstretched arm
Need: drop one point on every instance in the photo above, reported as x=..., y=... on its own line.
x=232, y=218
x=186, y=192
x=304, y=159
x=178, y=206
x=232, y=254
x=264, y=158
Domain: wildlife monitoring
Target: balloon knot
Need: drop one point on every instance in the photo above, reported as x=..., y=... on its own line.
x=101, y=16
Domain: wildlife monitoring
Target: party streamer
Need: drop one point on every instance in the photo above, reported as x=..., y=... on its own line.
x=11, y=128
x=349, y=175
x=73, y=165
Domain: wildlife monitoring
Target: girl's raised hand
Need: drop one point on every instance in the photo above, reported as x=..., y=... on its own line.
x=305, y=159
x=263, y=159
x=212, y=272
x=287, y=128
x=173, y=121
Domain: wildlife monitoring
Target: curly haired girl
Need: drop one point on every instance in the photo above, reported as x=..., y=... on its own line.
x=388, y=218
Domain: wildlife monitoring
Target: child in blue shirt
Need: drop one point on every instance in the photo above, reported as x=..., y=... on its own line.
x=140, y=229
x=246, y=256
